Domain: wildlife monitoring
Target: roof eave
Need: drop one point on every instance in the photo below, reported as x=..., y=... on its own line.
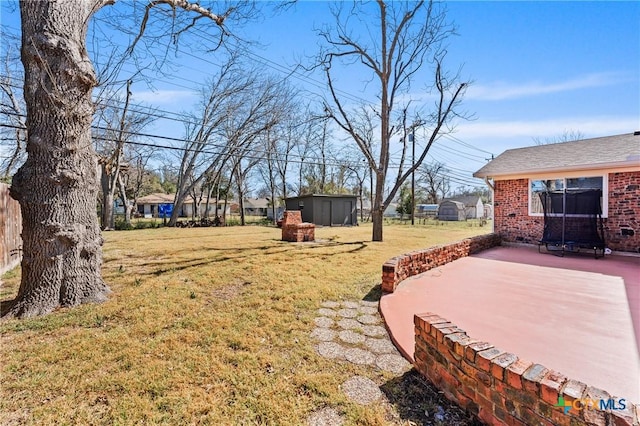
x=630, y=165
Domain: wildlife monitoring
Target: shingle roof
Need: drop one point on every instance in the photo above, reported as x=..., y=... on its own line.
x=604, y=152
x=156, y=198
x=467, y=200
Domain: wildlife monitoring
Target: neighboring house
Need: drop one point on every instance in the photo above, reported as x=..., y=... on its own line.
x=256, y=206
x=325, y=210
x=473, y=206
x=391, y=210
x=611, y=164
x=451, y=210
x=212, y=211
x=151, y=205
x=161, y=205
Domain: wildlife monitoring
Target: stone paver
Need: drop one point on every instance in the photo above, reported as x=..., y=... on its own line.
x=326, y=416
x=349, y=324
x=362, y=390
x=393, y=362
x=348, y=313
x=327, y=312
x=330, y=304
x=331, y=350
x=359, y=356
x=370, y=310
x=379, y=346
x=374, y=331
x=369, y=319
x=323, y=334
x=324, y=322
x=350, y=336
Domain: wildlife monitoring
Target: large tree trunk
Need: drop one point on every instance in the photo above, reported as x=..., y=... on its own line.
x=377, y=211
x=57, y=187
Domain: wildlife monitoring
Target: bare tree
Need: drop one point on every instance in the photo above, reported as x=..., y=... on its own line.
x=392, y=51
x=434, y=181
x=237, y=109
x=13, y=133
x=203, y=153
x=115, y=127
x=566, y=136
x=57, y=185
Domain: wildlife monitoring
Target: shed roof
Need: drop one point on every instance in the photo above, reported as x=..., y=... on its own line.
x=323, y=196
x=467, y=200
x=459, y=205
x=597, y=153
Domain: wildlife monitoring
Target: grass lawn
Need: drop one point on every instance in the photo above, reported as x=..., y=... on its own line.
x=204, y=326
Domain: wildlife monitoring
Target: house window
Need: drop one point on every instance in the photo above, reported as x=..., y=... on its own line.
x=536, y=186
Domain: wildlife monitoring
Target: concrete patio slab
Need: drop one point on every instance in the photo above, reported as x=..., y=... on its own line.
x=573, y=314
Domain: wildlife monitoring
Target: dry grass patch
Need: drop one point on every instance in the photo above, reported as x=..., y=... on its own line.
x=205, y=325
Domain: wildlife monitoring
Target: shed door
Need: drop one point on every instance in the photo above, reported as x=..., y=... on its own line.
x=325, y=219
x=348, y=207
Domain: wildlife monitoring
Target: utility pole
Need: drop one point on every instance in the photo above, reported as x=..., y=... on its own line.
x=412, y=139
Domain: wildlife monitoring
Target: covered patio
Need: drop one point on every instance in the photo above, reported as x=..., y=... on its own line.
x=572, y=314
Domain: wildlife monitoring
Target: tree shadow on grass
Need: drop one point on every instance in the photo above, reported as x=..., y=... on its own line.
x=419, y=402
x=223, y=254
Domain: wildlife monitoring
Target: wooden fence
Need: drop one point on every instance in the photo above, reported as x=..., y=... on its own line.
x=10, y=229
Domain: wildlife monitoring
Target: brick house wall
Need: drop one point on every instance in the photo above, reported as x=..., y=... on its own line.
x=622, y=228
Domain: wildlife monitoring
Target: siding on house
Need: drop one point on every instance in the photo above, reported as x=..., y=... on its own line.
x=622, y=226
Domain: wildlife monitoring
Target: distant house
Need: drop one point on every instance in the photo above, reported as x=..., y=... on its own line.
x=324, y=209
x=391, y=210
x=473, y=206
x=610, y=164
x=451, y=210
x=256, y=206
x=161, y=205
x=153, y=205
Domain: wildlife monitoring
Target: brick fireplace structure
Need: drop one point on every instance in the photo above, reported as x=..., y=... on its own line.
x=295, y=230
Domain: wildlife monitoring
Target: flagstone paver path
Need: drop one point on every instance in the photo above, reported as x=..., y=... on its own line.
x=353, y=331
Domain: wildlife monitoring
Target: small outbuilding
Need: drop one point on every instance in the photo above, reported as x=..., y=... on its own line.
x=451, y=210
x=325, y=209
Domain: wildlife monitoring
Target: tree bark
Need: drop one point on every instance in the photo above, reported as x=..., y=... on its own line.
x=57, y=186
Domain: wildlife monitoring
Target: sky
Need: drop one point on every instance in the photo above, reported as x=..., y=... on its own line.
x=537, y=70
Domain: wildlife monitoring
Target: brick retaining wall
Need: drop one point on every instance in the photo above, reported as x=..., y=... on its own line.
x=399, y=268
x=502, y=389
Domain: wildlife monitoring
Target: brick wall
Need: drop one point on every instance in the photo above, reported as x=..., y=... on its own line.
x=404, y=266
x=511, y=215
x=502, y=389
x=10, y=229
x=622, y=228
